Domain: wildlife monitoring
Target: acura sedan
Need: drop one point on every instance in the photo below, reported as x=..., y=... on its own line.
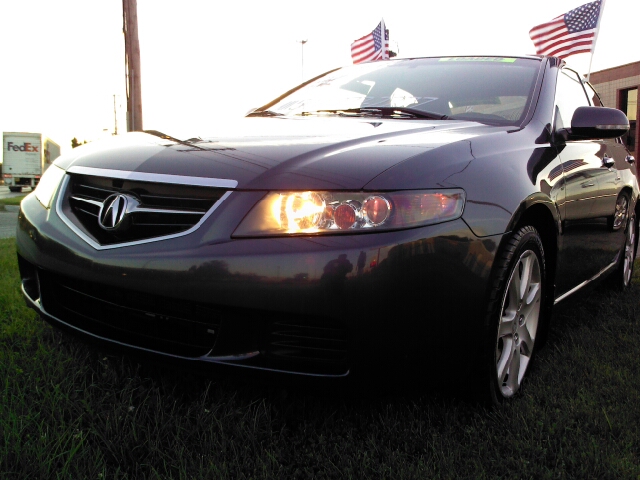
x=413, y=214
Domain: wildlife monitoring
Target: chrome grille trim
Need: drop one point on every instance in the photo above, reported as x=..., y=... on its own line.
x=65, y=184
x=92, y=202
x=141, y=209
x=155, y=177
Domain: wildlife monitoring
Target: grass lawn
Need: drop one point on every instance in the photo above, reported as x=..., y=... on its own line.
x=10, y=201
x=70, y=411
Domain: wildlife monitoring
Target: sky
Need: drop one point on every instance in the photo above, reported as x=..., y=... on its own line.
x=203, y=62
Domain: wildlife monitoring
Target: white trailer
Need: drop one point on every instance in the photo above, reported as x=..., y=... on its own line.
x=26, y=157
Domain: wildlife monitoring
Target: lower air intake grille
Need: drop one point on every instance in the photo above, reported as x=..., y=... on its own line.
x=143, y=320
x=320, y=342
x=164, y=208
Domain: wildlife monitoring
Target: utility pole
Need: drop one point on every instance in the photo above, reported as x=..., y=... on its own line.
x=115, y=116
x=132, y=65
x=302, y=42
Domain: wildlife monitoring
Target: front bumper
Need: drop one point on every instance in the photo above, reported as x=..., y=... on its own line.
x=327, y=306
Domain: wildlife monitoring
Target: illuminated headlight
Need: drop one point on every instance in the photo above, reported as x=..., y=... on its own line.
x=48, y=185
x=290, y=213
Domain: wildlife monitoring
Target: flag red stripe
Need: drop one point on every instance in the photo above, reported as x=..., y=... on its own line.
x=572, y=48
x=554, y=38
x=549, y=34
x=546, y=27
x=364, y=53
x=364, y=49
x=546, y=40
x=364, y=57
x=363, y=41
x=564, y=40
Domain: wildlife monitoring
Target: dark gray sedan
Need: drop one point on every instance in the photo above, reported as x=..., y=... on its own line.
x=415, y=214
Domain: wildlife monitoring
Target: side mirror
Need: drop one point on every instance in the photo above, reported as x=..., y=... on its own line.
x=590, y=123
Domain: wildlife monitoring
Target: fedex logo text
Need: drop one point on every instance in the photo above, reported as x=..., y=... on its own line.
x=25, y=147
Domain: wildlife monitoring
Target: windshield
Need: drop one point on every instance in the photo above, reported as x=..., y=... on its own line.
x=490, y=90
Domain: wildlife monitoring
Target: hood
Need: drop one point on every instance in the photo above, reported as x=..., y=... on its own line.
x=283, y=152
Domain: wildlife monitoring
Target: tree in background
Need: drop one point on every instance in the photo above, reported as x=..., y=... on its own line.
x=75, y=143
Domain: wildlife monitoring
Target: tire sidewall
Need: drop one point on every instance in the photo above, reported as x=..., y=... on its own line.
x=524, y=239
x=631, y=223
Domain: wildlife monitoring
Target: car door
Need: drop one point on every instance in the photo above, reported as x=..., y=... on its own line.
x=614, y=161
x=583, y=248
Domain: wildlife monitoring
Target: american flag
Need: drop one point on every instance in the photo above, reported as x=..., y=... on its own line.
x=371, y=47
x=571, y=33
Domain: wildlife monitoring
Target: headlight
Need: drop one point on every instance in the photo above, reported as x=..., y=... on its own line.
x=49, y=184
x=291, y=213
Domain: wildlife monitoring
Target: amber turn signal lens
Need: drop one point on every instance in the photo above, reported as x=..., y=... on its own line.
x=344, y=216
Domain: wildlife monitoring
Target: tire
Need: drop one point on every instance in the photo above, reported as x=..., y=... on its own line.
x=517, y=313
x=619, y=218
x=624, y=271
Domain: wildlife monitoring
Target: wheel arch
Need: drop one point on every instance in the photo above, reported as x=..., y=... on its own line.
x=542, y=214
x=636, y=207
x=632, y=197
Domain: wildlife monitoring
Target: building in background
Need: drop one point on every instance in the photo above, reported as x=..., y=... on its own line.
x=618, y=87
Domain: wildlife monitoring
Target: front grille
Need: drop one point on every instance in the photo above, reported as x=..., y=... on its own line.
x=149, y=321
x=321, y=342
x=165, y=208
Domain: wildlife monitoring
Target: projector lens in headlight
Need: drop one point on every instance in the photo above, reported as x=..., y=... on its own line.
x=298, y=211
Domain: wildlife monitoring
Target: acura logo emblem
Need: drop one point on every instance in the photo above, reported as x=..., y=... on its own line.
x=114, y=211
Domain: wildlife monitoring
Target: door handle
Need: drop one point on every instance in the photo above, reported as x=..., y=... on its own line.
x=585, y=185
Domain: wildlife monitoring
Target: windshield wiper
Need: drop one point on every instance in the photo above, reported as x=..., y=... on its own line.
x=264, y=113
x=189, y=143
x=391, y=112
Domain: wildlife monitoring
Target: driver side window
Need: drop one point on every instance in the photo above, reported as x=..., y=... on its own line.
x=569, y=96
x=595, y=98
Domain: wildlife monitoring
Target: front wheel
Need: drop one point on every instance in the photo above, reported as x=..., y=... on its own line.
x=516, y=309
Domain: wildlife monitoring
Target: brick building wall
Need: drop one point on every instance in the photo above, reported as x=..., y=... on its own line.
x=608, y=91
x=613, y=85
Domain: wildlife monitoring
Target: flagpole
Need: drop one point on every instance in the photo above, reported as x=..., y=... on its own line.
x=302, y=42
x=383, y=38
x=595, y=38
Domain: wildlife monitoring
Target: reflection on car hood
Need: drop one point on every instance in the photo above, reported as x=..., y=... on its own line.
x=283, y=153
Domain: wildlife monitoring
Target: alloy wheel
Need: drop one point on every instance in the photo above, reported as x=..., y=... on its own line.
x=518, y=323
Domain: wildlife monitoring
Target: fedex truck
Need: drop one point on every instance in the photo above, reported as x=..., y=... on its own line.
x=25, y=158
